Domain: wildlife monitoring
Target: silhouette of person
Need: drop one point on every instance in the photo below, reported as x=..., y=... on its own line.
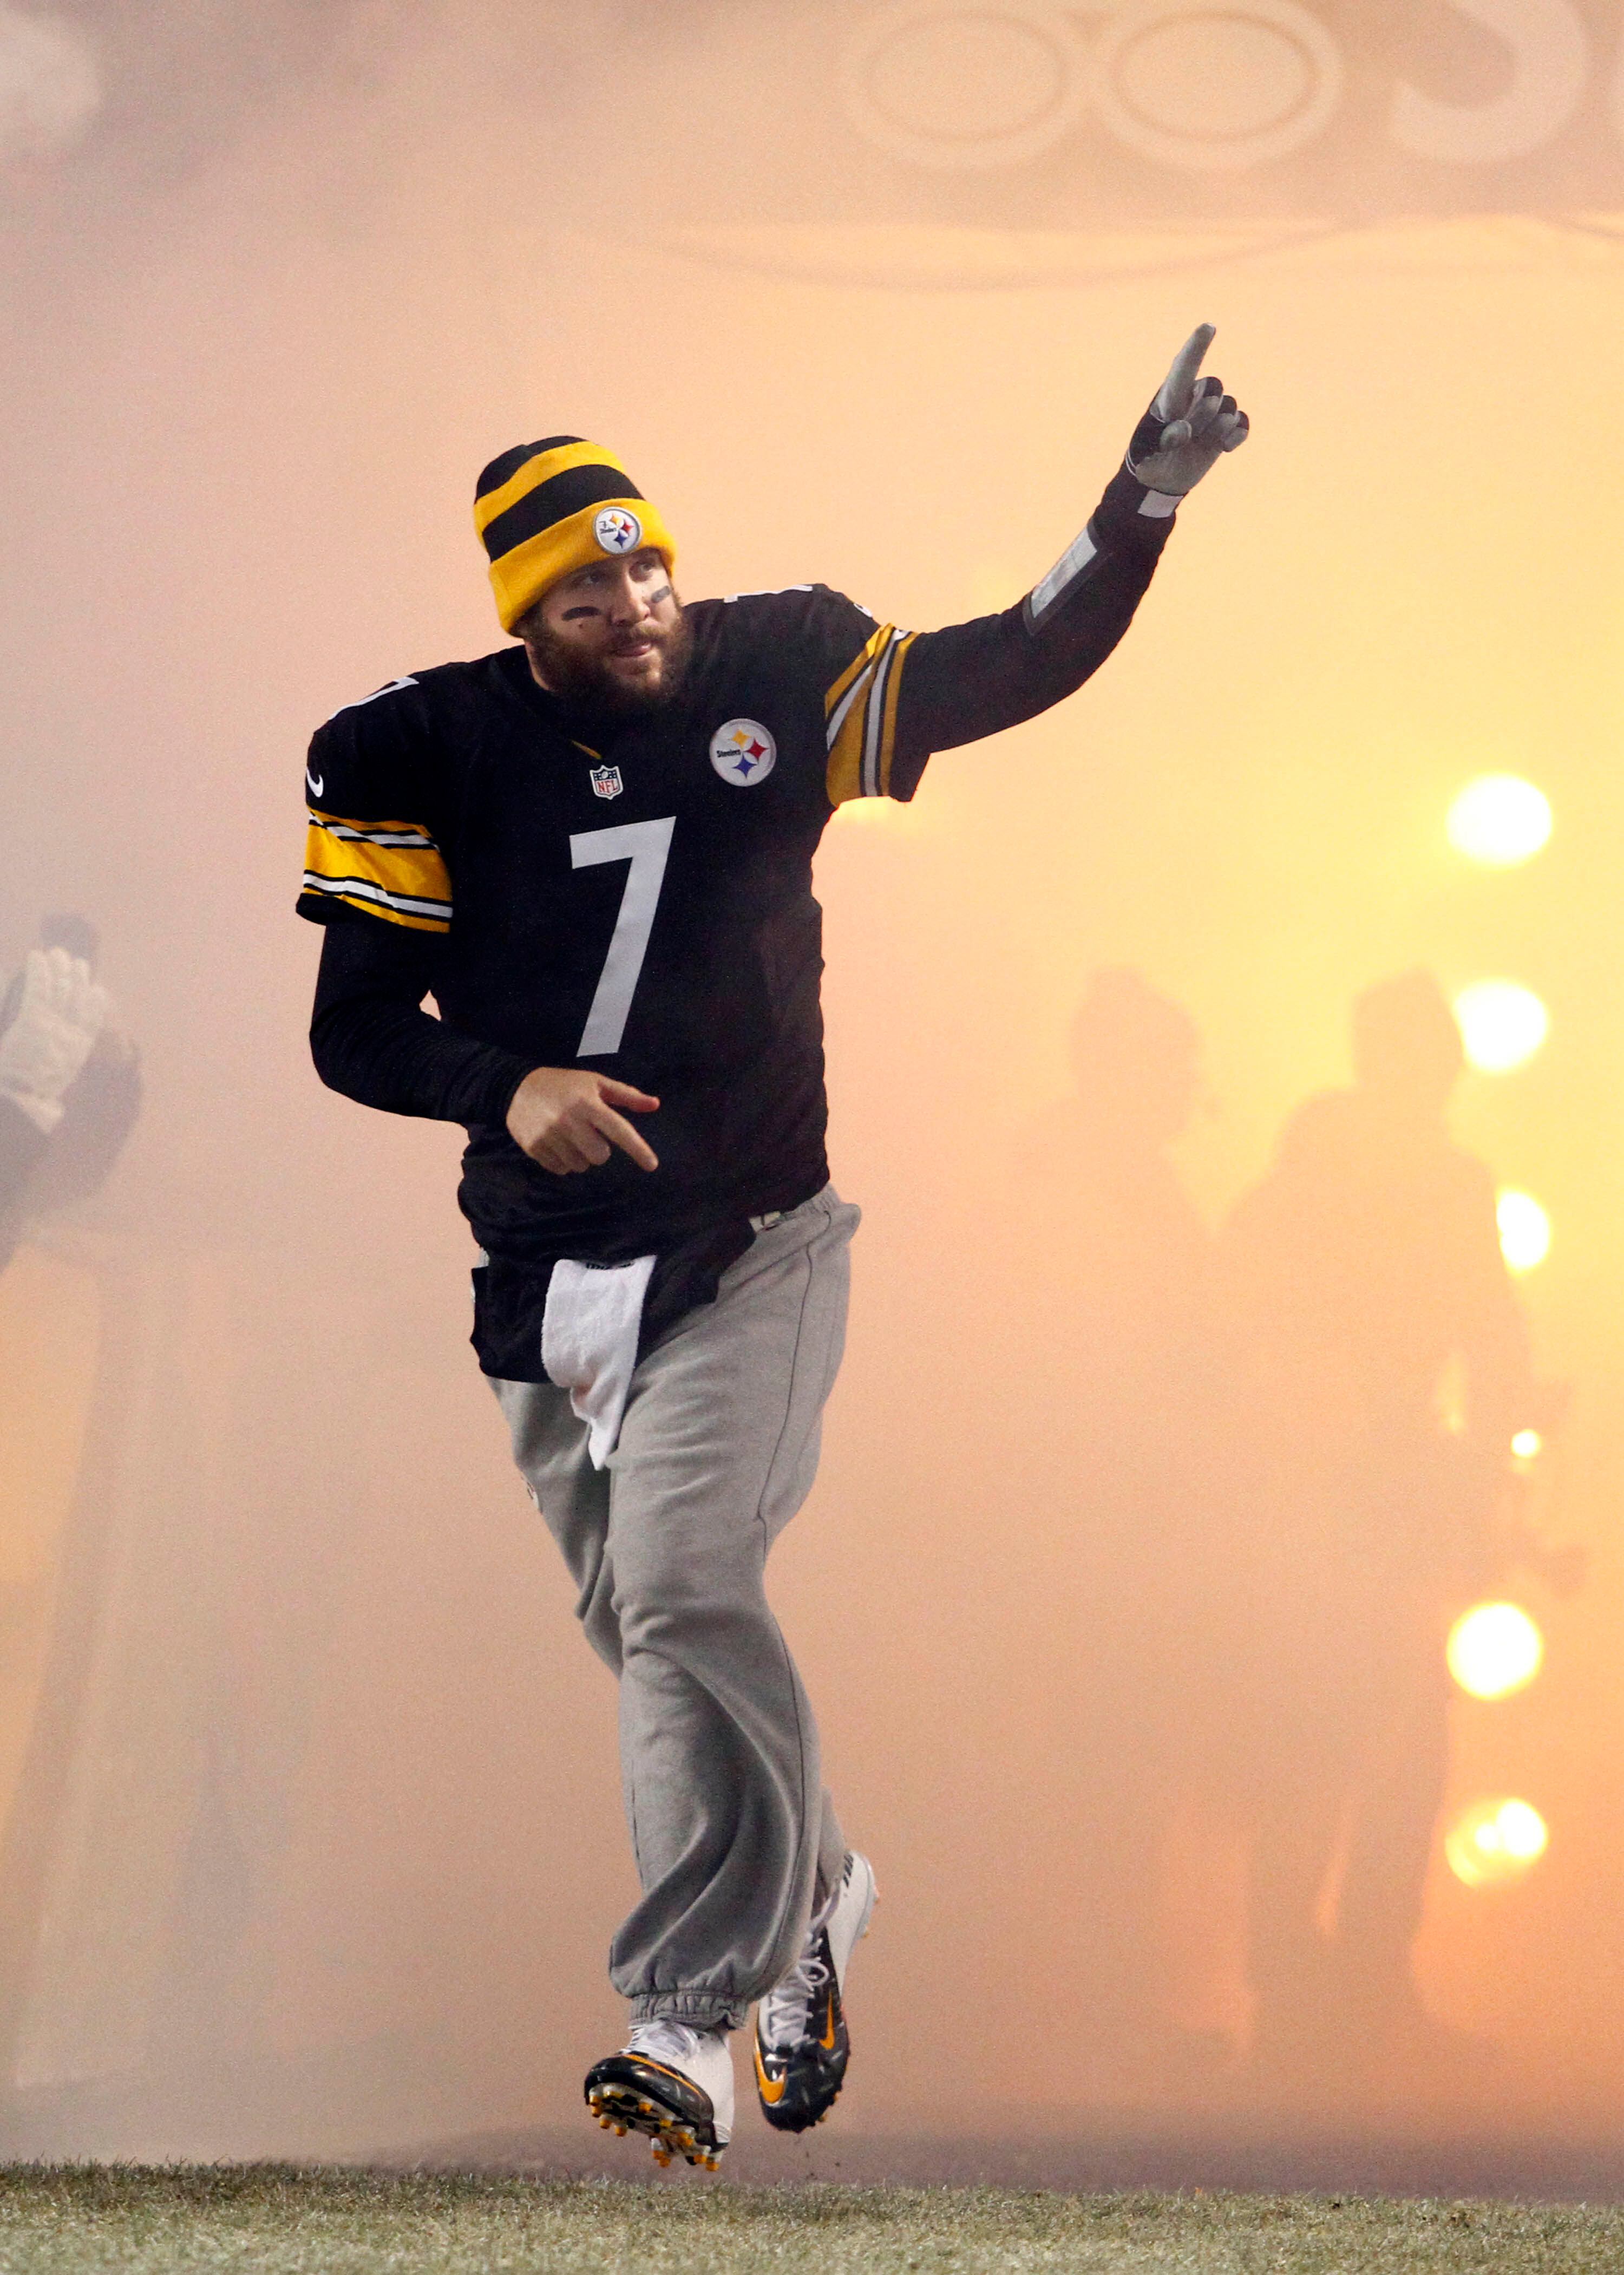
x=1109, y=1379
x=1370, y=1290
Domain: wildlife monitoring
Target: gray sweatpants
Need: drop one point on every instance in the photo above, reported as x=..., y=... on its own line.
x=734, y=1839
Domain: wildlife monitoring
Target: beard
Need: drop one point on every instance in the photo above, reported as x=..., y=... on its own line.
x=589, y=684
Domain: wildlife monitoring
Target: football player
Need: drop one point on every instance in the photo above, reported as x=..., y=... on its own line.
x=594, y=850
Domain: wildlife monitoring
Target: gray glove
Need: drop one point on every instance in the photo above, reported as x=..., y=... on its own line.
x=45, y=1047
x=1189, y=426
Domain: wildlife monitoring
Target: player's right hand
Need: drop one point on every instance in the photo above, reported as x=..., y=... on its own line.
x=566, y=1119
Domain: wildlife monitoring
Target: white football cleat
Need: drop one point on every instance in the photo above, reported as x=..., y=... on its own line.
x=673, y=2082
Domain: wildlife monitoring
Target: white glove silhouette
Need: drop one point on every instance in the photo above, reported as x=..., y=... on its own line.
x=1191, y=425
x=55, y=1031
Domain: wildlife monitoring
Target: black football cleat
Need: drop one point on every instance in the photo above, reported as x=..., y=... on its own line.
x=672, y=2083
x=802, y=2041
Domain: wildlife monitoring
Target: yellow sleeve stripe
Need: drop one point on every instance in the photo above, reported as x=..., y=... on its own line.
x=854, y=670
x=861, y=719
x=391, y=870
x=894, y=688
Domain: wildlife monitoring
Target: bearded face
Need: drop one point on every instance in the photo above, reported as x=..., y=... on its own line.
x=612, y=638
x=627, y=676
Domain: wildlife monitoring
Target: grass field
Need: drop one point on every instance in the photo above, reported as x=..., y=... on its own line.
x=69, y=2220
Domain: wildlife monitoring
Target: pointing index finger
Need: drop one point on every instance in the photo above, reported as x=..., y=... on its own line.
x=619, y=1132
x=625, y=1093
x=1179, y=384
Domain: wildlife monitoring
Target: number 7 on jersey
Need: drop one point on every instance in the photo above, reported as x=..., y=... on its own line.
x=648, y=846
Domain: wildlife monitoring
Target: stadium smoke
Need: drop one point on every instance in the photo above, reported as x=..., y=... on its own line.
x=313, y=1840
x=50, y=87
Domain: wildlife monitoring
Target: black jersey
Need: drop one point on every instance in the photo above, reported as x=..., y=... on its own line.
x=635, y=897
x=641, y=904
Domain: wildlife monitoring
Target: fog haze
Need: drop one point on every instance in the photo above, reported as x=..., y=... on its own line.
x=315, y=1841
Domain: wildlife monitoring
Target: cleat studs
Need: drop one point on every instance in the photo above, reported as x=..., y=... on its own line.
x=620, y=2132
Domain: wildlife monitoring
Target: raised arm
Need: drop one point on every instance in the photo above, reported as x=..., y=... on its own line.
x=913, y=693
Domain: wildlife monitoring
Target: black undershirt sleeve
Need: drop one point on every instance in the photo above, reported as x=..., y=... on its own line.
x=372, y=1041
x=972, y=680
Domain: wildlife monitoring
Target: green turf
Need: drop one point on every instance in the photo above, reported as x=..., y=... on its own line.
x=69, y=2220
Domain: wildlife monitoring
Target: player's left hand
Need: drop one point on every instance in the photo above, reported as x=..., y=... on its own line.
x=1189, y=426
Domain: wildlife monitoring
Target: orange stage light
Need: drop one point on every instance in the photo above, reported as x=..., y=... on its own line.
x=1495, y=1650
x=1502, y=1024
x=1525, y=1229
x=1499, y=819
x=1495, y=1841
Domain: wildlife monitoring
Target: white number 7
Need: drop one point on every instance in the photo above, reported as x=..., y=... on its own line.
x=648, y=846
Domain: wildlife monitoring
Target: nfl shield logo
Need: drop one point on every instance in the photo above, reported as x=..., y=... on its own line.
x=606, y=782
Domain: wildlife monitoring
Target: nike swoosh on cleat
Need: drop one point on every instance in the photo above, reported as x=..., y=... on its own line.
x=770, y=2093
x=664, y=2069
x=828, y=2040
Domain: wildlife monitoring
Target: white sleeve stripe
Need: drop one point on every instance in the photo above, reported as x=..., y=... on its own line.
x=347, y=835
x=876, y=720
x=360, y=888
x=850, y=696
x=1070, y=566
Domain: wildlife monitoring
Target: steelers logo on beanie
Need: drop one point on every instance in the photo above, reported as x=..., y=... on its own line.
x=546, y=509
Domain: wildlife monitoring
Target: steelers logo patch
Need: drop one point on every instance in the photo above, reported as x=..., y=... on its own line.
x=743, y=752
x=618, y=531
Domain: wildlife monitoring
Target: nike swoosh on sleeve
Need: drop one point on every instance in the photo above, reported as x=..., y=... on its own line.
x=316, y=783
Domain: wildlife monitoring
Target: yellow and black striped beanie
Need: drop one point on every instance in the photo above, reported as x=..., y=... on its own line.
x=546, y=509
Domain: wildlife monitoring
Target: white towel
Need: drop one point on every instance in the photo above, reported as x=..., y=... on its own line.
x=589, y=1343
